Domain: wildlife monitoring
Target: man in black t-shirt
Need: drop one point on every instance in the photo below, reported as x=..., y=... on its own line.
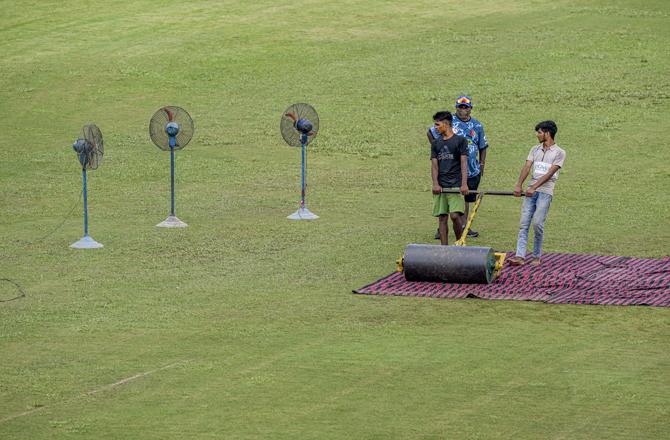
x=449, y=170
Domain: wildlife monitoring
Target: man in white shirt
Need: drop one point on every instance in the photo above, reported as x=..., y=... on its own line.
x=544, y=161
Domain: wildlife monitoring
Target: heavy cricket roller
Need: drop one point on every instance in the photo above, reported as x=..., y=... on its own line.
x=454, y=264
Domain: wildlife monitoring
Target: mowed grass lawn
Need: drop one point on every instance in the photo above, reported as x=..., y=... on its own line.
x=243, y=325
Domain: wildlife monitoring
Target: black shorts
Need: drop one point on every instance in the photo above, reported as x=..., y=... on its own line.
x=473, y=183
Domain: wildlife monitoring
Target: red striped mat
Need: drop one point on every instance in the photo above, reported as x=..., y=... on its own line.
x=560, y=279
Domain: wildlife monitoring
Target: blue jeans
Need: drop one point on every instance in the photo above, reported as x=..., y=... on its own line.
x=535, y=209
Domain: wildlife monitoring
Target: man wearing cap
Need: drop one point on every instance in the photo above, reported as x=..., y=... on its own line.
x=473, y=131
x=543, y=161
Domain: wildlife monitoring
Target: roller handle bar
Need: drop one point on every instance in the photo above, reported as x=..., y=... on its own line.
x=486, y=192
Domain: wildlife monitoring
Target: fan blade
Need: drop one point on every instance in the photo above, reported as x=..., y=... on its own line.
x=169, y=114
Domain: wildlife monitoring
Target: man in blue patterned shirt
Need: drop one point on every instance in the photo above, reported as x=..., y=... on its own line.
x=473, y=131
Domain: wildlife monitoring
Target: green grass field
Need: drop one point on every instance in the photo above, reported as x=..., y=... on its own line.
x=243, y=325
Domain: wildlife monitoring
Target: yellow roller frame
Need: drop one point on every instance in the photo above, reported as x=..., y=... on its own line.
x=500, y=256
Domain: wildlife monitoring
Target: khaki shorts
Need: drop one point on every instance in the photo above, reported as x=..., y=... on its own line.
x=443, y=203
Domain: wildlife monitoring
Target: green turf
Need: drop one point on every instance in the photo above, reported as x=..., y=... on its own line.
x=243, y=324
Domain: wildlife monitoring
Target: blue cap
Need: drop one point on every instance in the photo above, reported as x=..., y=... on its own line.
x=464, y=100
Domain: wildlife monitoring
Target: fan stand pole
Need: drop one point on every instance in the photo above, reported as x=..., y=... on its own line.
x=83, y=172
x=85, y=242
x=172, y=213
x=172, y=221
x=302, y=178
x=303, y=213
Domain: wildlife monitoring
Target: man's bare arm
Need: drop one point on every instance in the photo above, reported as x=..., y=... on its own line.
x=522, y=177
x=482, y=159
x=464, y=175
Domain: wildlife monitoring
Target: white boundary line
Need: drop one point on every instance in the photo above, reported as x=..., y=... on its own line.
x=94, y=391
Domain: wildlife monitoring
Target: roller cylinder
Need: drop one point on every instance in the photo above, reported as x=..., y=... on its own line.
x=449, y=264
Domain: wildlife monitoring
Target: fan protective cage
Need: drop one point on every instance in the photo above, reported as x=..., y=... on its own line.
x=96, y=149
x=287, y=125
x=164, y=116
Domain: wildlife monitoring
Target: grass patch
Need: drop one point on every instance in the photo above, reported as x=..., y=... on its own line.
x=255, y=311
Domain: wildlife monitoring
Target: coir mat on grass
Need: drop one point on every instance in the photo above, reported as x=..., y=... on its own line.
x=560, y=279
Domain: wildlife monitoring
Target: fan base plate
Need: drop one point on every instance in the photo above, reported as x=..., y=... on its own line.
x=86, y=242
x=303, y=214
x=172, y=222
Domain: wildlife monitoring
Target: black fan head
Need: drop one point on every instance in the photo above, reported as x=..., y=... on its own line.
x=171, y=121
x=89, y=147
x=298, y=120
